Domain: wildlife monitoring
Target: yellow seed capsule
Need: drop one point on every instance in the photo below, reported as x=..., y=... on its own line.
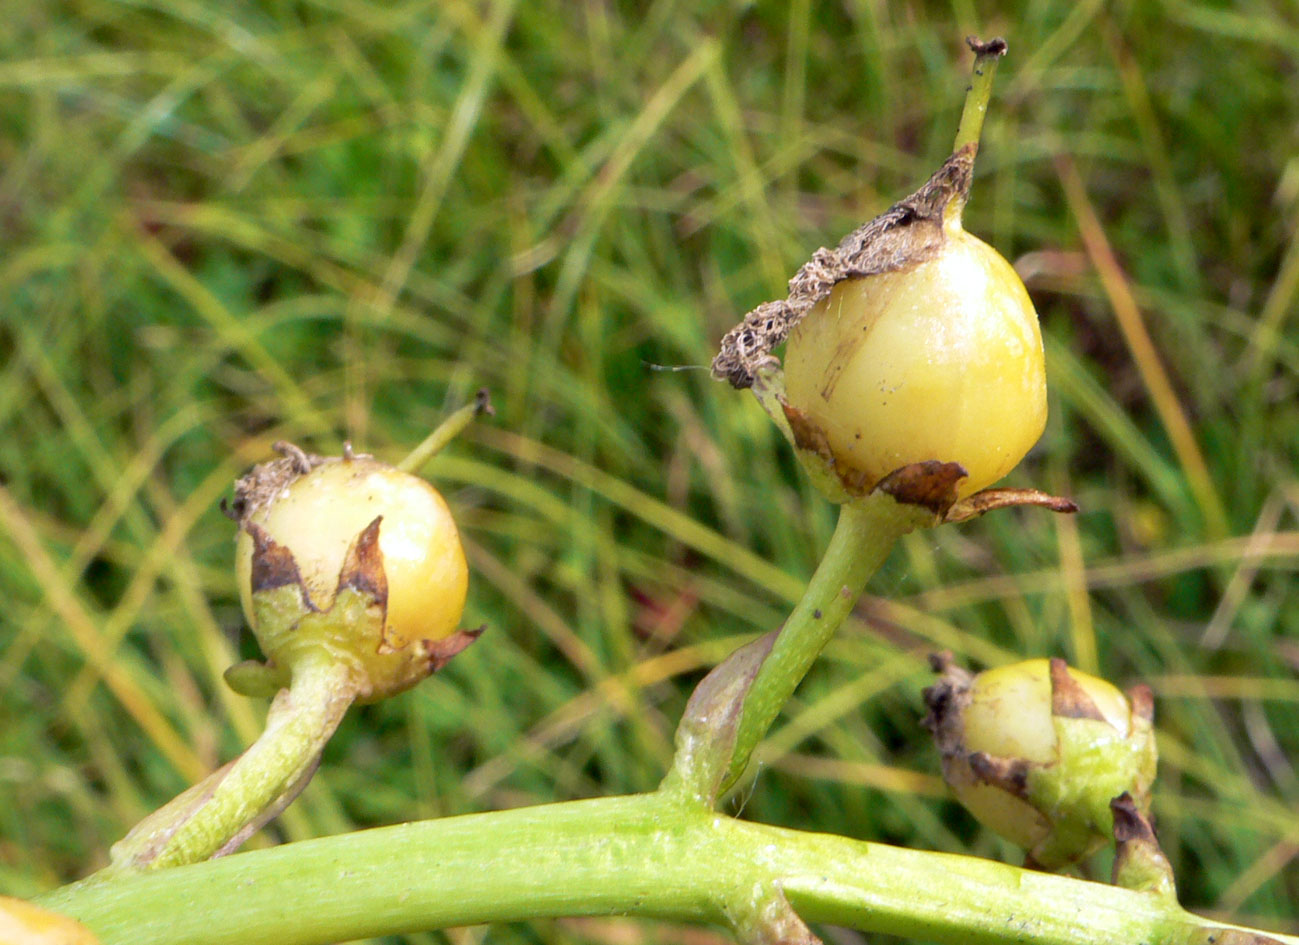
x=23, y=923
x=938, y=361
x=318, y=518
x=321, y=514
x=1009, y=716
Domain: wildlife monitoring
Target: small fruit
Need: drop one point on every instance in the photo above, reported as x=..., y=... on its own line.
x=1037, y=752
x=938, y=361
x=321, y=513
x=352, y=556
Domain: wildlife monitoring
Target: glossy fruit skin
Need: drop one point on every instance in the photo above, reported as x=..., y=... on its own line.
x=939, y=361
x=1010, y=710
x=320, y=515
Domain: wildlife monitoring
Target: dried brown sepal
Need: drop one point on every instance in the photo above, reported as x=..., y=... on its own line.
x=439, y=652
x=931, y=485
x=991, y=499
x=1068, y=699
x=1139, y=863
x=273, y=565
x=1009, y=774
x=362, y=568
x=1130, y=824
x=808, y=436
x=838, y=480
x=483, y=403
x=907, y=234
x=1142, y=699
x=946, y=701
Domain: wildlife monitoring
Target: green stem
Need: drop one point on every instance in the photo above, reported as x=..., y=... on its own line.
x=646, y=855
x=863, y=537
x=979, y=93
x=206, y=818
x=446, y=431
x=977, y=97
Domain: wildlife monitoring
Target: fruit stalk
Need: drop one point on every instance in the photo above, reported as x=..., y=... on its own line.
x=221, y=811
x=977, y=96
x=863, y=537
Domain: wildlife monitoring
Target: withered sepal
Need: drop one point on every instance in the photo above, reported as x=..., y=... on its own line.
x=905, y=235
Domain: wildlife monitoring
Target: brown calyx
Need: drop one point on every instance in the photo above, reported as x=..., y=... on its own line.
x=946, y=701
x=261, y=484
x=908, y=233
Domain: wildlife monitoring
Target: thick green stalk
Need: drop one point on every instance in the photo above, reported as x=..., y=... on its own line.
x=863, y=537
x=645, y=855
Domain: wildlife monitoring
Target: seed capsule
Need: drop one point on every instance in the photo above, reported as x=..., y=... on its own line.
x=352, y=556
x=939, y=361
x=24, y=923
x=1037, y=752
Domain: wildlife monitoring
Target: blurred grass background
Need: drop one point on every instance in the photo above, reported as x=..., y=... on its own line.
x=226, y=223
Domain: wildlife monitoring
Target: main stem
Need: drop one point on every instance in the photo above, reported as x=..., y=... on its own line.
x=645, y=855
x=863, y=537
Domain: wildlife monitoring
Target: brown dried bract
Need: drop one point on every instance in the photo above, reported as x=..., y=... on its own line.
x=261, y=484
x=908, y=233
x=1009, y=774
x=1129, y=822
x=1068, y=699
x=363, y=567
x=946, y=701
x=931, y=484
x=273, y=565
x=1139, y=863
x=440, y=652
x=989, y=499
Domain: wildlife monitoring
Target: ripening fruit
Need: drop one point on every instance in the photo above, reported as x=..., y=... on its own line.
x=938, y=361
x=1009, y=716
x=1037, y=754
x=319, y=516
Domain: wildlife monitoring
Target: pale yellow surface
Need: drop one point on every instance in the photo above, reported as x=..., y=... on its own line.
x=1010, y=710
x=943, y=361
x=322, y=513
x=22, y=923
